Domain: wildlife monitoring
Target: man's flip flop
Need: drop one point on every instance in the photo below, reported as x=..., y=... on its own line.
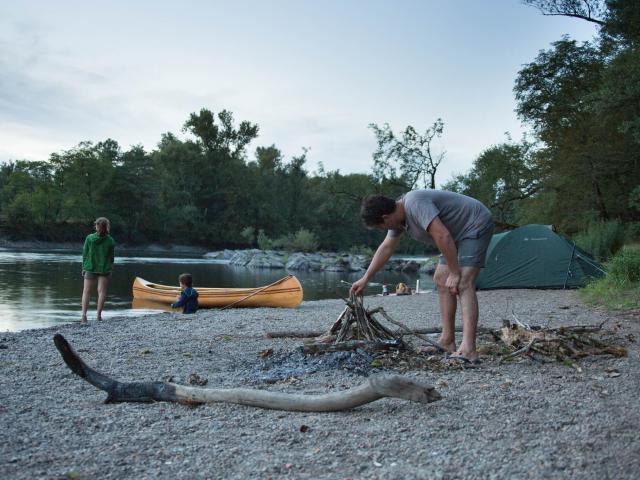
x=431, y=350
x=460, y=360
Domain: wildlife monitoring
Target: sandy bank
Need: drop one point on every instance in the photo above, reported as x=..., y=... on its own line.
x=520, y=420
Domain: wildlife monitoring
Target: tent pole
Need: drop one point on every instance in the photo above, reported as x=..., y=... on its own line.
x=566, y=277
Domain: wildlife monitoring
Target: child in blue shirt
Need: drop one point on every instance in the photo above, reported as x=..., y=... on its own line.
x=188, y=298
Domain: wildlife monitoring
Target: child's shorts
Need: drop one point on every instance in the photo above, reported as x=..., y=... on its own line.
x=472, y=252
x=93, y=276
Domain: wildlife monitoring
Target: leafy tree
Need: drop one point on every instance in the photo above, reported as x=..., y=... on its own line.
x=406, y=159
x=223, y=139
x=554, y=94
x=336, y=202
x=178, y=165
x=583, y=101
x=622, y=25
x=265, y=180
x=135, y=196
x=27, y=196
x=295, y=191
x=82, y=175
x=221, y=192
x=502, y=177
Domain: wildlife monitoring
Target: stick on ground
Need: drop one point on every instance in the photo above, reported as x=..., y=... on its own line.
x=373, y=389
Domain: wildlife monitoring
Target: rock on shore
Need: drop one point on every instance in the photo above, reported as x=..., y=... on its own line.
x=321, y=261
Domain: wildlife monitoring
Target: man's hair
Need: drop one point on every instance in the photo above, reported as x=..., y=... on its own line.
x=103, y=225
x=374, y=207
x=186, y=279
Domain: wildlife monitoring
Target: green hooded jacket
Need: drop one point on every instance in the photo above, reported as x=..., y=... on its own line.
x=98, y=253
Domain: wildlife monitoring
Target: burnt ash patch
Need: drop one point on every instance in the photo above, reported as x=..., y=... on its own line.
x=283, y=365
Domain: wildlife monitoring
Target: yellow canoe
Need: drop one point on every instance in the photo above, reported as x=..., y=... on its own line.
x=285, y=293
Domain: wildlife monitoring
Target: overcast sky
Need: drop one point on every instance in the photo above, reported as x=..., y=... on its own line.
x=311, y=73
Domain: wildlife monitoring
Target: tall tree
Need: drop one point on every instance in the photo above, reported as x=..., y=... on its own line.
x=406, y=159
x=554, y=95
x=221, y=168
x=622, y=25
x=82, y=175
x=224, y=139
x=502, y=177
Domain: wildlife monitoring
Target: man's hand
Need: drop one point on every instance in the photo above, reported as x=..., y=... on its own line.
x=452, y=282
x=357, y=288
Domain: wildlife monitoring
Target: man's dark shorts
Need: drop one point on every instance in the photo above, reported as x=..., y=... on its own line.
x=472, y=252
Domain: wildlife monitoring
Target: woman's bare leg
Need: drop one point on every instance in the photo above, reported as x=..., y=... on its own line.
x=103, y=281
x=86, y=294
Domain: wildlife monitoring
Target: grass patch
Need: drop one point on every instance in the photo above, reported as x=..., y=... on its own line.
x=620, y=288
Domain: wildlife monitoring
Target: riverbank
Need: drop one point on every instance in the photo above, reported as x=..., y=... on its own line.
x=250, y=258
x=76, y=247
x=517, y=420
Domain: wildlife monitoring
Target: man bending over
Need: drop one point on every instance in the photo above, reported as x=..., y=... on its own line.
x=461, y=228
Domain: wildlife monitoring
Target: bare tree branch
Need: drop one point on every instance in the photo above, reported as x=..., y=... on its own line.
x=590, y=10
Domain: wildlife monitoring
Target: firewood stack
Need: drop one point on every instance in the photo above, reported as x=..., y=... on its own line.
x=356, y=328
x=356, y=323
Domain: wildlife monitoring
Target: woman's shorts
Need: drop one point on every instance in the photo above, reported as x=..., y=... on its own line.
x=472, y=252
x=93, y=276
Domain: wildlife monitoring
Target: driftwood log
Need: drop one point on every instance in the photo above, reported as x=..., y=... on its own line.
x=374, y=389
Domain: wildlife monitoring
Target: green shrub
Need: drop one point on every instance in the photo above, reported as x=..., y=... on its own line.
x=304, y=241
x=634, y=199
x=620, y=288
x=361, y=250
x=248, y=234
x=624, y=267
x=264, y=242
x=632, y=232
x=602, y=239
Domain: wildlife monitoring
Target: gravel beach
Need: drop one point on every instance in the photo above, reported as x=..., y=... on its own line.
x=514, y=420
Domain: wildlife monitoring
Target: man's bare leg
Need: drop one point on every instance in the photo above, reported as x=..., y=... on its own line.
x=469, y=311
x=448, y=304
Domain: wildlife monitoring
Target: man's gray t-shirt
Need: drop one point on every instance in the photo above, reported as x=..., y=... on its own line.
x=464, y=217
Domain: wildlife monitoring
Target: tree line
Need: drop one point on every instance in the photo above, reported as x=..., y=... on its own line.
x=579, y=166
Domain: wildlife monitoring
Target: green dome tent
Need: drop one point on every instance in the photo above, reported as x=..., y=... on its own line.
x=534, y=256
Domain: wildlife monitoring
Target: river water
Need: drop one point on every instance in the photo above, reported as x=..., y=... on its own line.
x=42, y=289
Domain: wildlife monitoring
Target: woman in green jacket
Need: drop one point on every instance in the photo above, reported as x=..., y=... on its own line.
x=97, y=265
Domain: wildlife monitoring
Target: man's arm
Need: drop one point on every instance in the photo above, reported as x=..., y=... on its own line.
x=383, y=253
x=446, y=245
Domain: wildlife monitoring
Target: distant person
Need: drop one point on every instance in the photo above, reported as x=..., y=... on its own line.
x=188, y=298
x=97, y=264
x=461, y=227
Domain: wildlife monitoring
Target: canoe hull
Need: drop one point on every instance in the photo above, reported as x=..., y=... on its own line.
x=285, y=293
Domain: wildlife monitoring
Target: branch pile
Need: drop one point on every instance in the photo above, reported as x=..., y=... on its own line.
x=356, y=323
x=358, y=328
x=563, y=344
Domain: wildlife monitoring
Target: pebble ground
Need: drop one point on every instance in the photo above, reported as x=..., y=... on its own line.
x=519, y=420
